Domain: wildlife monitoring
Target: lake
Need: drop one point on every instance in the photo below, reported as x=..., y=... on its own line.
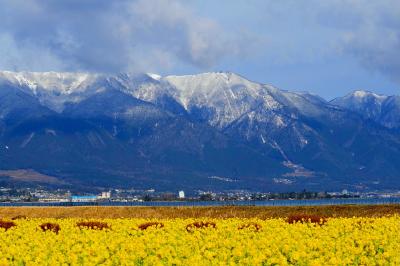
x=313, y=202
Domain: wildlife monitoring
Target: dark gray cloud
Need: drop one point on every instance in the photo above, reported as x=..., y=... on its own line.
x=109, y=36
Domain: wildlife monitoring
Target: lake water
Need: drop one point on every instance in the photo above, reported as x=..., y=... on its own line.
x=315, y=202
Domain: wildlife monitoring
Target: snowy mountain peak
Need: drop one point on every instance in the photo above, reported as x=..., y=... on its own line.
x=154, y=76
x=380, y=108
x=210, y=80
x=360, y=99
x=218, y=97
x=361, y=95
x=62, y=82
x=53, y=89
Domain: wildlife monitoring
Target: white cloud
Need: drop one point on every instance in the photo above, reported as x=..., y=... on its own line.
x=158, y=35
x=367, y=30
x=175, y=28
x=111, y=36
x=22, y=57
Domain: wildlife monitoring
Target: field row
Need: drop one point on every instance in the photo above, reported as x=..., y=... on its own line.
x=72, y=241
x=262, y=212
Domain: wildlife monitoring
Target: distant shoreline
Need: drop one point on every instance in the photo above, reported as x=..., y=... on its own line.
x=215, y=203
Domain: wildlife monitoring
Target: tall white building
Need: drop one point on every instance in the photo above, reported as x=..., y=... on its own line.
x=181, y=194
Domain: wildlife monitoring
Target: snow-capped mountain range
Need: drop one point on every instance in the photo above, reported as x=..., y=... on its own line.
x=146, y=130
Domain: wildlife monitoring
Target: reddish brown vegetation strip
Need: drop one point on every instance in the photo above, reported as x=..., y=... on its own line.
x=200, y=225
x=304, y=218
x=93, y=225
x=7, y=225
x=144, y=226
x=50, y=227
x=254, y=226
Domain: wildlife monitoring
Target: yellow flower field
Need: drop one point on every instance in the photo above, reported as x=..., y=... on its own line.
x=340, y=241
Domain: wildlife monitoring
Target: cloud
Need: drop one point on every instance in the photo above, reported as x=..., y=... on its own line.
x=20, y=57
x=110, y=36
x=367, y=30
x=171, y=26
x=170, y=35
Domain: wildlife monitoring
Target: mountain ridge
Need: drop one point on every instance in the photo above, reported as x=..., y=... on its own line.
x=383, y=109
x=146, y=130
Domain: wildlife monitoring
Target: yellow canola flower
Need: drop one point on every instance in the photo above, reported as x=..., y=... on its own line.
x=340, y=241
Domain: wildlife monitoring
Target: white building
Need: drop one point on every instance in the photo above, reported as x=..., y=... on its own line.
x=181, y=194
x=105, y=195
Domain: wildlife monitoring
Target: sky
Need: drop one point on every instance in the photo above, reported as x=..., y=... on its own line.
x=329, y=47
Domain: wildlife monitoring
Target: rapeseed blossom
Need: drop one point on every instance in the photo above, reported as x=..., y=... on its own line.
x=339, y=241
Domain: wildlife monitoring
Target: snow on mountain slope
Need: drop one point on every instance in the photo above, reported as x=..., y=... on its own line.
x=55, y=89
x=52, y=89
x=146, y=87
x=267, y=118
x=60, y=82
x=382, y=109
x=370, y=104
x=220, y=98
x=223, y=97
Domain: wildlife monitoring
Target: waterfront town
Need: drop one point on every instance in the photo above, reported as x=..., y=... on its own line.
x=135, y=195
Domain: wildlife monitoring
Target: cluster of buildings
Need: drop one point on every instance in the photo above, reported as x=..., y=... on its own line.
x=132, y=195
x=60, y=195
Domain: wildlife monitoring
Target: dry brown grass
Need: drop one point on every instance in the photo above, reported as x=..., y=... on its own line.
x=199, y=212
